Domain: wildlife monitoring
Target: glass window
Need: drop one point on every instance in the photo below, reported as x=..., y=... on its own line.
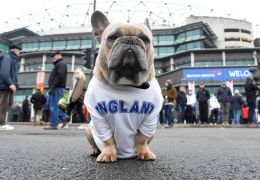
x=231, y=30
x=155, y=52
x=193, y=34
x=32, y=67
x=166, y=51
x=183, y=65
x=59, y=44
x=246, y=40
x=30, y=46
x=86, y=43
x=240, y=62
x=49, y=67
x=155, y=40
x=3, y=47
x=245, y=31
x=73, y=44
x=47, y=45
x=181, y=48
x=21, y=94
x=158, y=71
x=232, y=38
x=69, y=66
x=193, y=45
x=166, y=39
x=207, y=63
x=180, y=37
x=25, y=46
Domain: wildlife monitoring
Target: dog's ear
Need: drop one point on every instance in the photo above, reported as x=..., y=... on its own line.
x=146, y=22
x=99, y=23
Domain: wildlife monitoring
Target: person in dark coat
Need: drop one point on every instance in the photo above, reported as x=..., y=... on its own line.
x=8, y=82
x=57, y=84
x=224, y=97
x=181, y=102
x=236, y=103
x=202, y=97
x=26, y=110
x=250, y=91
x=38, y=100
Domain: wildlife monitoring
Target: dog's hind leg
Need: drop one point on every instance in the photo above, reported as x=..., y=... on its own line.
x=94, y=149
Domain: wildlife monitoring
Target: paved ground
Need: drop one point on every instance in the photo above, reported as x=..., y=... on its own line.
x=183, y=153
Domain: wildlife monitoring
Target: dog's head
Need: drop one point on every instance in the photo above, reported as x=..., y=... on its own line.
x=126, y=53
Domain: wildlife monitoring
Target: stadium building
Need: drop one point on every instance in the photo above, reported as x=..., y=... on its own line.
x=197, y=51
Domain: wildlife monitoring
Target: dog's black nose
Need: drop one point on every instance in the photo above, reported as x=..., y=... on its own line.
x=129, y=58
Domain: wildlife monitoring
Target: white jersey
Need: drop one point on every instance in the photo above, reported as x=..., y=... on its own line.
x=121, y=113
x=213, y=103
x=191, y=99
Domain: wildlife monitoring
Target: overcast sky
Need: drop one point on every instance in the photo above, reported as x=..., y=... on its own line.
x=248, y=10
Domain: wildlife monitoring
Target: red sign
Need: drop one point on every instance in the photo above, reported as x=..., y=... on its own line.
x=40, y=81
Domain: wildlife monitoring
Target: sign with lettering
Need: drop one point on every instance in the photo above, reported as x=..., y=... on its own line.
x=216, y=74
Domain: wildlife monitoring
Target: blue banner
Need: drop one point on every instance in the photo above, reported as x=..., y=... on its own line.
x=218, y=74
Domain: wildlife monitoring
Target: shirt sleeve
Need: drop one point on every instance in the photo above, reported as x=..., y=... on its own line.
x=101, y=125
x=148, y=125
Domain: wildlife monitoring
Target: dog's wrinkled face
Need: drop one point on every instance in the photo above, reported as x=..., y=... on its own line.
x=126, y=52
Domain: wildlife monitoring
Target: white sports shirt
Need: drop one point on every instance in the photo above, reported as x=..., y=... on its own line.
x=121, y=113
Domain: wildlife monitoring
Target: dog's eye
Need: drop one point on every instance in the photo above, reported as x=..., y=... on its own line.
x=113, y=37
x=145, y=39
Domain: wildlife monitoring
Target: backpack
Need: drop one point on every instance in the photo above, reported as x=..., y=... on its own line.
x=245, y=112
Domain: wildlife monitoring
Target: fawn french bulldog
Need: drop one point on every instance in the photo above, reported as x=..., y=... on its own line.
x=123, y=97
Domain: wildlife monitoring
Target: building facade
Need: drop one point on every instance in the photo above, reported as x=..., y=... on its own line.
x=198, y=45
x=212, y=66
x=231, y=33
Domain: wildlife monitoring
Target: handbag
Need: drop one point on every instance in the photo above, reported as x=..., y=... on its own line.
x=64, y=100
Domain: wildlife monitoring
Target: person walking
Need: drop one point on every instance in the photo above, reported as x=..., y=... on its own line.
x=8, y=82
x=181, y=102
x=57, y=83
x=202, y=97
x=38, y=100
x=224, y=97
x=236, y=103
x=250, y=91
x=169, y=95
x=77, y=95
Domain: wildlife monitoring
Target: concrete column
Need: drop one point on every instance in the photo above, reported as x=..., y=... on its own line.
x=192, y=59
x=72, y=62
x=255, y=58
x=224, y=58
x=171, y=64
x=22, y=65
x=44, y=59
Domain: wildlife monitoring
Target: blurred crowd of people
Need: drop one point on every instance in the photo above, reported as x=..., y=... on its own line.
x=44, y=109
x=187, y=107
x=180, y=106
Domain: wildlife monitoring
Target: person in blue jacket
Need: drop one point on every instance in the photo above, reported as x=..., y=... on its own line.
x=8, y=82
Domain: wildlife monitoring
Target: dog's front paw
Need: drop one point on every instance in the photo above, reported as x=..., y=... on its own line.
x=94, y=151
x=144, y=153
x=107, y=155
